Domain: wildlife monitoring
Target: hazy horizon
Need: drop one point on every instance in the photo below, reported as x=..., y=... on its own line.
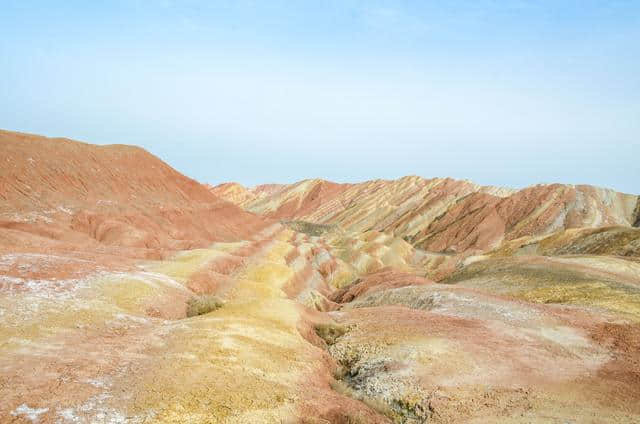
x=510, y=93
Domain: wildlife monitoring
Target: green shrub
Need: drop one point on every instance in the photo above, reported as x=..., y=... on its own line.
x=203, y=304
x=330, y=332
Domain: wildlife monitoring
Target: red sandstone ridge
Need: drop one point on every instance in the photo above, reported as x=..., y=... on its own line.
x=55, y=191
x=445, y=215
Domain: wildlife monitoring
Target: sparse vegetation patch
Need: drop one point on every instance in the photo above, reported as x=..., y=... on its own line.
x=204, y=304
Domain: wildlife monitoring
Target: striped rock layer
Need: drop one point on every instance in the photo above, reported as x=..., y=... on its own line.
x=130, y=293
x=442, y=214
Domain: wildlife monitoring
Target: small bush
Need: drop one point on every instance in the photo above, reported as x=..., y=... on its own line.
x=330, y=332
x=309, y=228
x=203, y=304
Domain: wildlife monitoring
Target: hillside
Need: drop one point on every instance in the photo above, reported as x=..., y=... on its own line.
x=130, y=293
x=442, y=214
x=58, y=190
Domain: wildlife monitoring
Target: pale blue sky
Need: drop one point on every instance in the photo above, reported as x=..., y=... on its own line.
x=501, y=92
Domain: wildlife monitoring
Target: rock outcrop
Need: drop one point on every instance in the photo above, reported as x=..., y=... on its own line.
x=445, y=215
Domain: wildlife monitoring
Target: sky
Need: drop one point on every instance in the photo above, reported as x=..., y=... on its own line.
x=509, y=93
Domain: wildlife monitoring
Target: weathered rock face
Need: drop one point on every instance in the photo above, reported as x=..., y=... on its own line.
x=130, y=293
x=444, y=215
x=55, y=191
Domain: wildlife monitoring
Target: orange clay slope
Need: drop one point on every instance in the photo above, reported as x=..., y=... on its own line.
x=536, y=316
x=65, y=194
x=130, y=293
